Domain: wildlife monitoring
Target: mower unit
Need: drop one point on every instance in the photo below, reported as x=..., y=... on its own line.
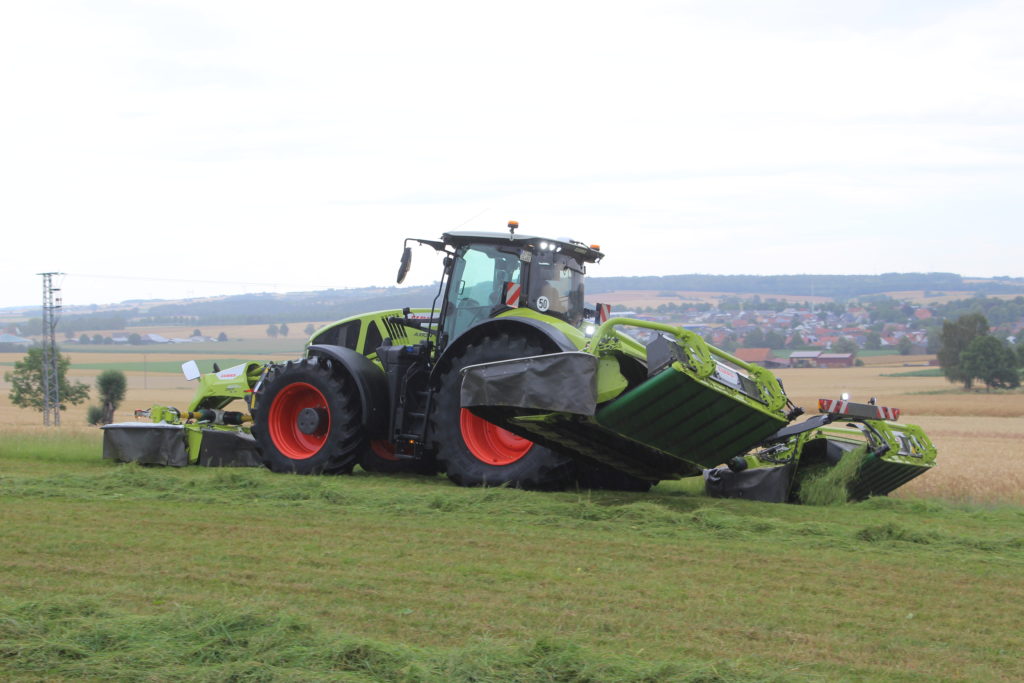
x=819, y=461
x=205, y=434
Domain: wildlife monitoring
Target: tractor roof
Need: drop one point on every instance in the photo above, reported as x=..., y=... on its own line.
x=581, y=251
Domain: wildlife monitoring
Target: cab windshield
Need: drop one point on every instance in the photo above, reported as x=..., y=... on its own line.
x=555, y=286
x=478, y=281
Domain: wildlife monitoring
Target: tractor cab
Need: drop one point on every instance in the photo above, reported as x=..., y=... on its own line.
x=487, y=273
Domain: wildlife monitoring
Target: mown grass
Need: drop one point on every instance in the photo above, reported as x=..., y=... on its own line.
x=86, y=639
x=127, y=572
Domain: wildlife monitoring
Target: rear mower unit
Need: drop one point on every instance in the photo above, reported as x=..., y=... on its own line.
x=509, y=379
x=204, y=434
x=870, y=455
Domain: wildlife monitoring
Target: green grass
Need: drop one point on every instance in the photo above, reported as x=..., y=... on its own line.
x=927, y=372
x=128, y=572
x=830, y=486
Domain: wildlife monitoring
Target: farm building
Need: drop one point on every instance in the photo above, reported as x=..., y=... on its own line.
x=817, y=359
x=835, y=360
x=761, y=356
x=804, y=359
x=15, y=340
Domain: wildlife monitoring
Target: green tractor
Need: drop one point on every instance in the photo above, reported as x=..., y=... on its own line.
x=509, y=379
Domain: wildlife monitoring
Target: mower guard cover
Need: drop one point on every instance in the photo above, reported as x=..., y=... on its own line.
x=557, y=383
x=147, y=444
x=765, y=484
x=177, y=445
x=223, y=447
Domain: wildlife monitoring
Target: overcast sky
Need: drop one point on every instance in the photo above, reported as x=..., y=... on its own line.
x=192, y=148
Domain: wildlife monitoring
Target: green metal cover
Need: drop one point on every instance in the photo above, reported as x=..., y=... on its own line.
x=881, y=476
x=690, y=418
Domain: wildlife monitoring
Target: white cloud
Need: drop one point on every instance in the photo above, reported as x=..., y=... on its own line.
x=250, y=143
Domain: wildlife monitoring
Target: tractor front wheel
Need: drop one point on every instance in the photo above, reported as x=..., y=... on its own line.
x=306, y=420
x=475, y=452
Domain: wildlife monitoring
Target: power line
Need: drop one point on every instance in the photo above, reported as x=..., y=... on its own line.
x=133, y=278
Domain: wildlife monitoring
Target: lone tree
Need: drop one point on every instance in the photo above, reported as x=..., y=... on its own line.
x=845, y=345
x=991, y=361
x=111, y=385
x=754, y=338
x=283, y=329
x=309, y=330
x=905, y=346
x=955, y=338
x=774, y=340
x=272, y=331
x=27, y=382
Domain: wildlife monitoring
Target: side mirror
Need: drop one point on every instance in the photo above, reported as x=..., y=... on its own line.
x=403, y=269
x=191, y=370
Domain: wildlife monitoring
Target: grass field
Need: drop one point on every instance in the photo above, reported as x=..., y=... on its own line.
x=131, y=573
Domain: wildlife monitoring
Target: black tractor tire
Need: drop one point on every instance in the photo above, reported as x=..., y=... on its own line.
x=307, y=420
x=474, y=452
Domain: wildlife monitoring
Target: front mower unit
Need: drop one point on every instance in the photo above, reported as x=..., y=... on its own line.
x=698, y=406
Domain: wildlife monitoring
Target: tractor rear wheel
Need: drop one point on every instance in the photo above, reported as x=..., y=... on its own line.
x=307, y=420
x=475, y=452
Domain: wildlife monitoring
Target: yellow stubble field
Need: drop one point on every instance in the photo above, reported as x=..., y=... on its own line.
x=979, y=435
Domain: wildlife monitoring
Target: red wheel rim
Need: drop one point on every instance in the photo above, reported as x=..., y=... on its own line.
x=282, y=422
x=385, y=450
x=490, y=443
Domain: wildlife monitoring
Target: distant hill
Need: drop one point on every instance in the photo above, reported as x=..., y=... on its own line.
x=333, y=304
x=843, y=287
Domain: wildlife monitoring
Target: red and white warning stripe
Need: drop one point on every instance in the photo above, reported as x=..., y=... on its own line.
x=604, y=312
x=863, y=411
x=512, y=292
x=833, y=405
x=888, y=413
